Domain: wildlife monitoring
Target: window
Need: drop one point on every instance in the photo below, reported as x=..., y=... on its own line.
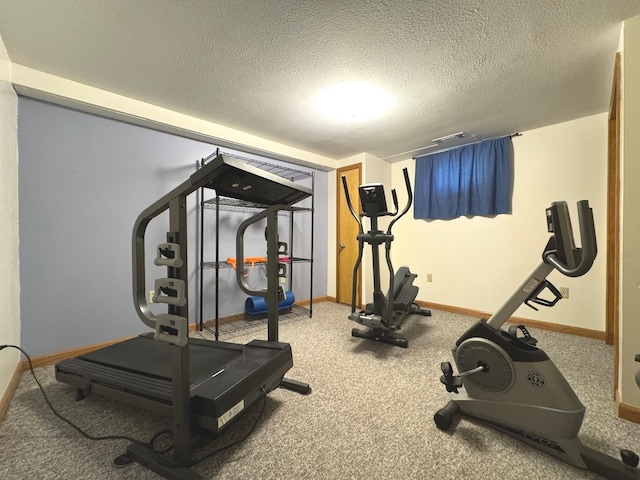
x=471, y=180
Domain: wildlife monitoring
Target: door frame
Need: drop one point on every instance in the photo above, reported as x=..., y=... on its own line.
x=612, y=326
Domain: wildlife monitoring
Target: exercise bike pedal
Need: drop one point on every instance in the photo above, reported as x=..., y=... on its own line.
x=451, y=382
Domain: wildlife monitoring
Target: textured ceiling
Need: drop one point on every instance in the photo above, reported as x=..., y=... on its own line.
x=485, y=67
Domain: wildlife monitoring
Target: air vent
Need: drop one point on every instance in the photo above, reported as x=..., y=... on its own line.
x=446, y=138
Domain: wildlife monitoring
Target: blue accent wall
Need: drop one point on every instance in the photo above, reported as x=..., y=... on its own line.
x=83, y=180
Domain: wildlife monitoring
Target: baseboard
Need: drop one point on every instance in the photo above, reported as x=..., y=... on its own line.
x=241, y=316
x=8, y=393
x=627, y=412
x=528, y=322
x=304, y=303
x=53, y=358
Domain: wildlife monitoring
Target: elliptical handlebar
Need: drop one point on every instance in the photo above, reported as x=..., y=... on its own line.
x=395, y=200
x=395, y=214
x=585, y=255
x=349, y=204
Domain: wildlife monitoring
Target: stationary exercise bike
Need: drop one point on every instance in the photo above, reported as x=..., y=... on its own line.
x=386, y=314
x=508, y=383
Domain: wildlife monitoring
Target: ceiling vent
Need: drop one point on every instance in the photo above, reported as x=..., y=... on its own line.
x=440, y=144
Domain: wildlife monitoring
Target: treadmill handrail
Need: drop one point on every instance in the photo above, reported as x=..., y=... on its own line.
x=138, y=249
x=240, y=247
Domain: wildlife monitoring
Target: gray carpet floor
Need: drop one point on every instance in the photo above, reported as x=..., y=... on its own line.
x=370, y=414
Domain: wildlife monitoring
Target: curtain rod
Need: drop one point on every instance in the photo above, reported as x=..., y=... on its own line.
x=516, y=134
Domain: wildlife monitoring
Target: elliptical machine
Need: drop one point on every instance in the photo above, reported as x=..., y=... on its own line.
x=508, y=383
x=386, y=314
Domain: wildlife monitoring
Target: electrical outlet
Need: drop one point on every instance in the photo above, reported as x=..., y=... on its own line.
x=151, y=294
x=429, y=277
x=564, y=291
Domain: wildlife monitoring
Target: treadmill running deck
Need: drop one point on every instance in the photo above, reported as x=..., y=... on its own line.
x=225, y=378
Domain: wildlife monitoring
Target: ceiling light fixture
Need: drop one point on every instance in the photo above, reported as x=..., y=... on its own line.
x=351, y=101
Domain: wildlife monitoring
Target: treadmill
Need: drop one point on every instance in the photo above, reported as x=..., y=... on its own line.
x=200, y=384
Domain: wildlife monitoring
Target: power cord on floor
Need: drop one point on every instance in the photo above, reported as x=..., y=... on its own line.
x=57, y=414
x=151, y=444
x=243, y=438
x=170, y=463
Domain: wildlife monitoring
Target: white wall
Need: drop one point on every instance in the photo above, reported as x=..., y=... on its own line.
x=477, y=262
x=9, y=269
x=630, y=217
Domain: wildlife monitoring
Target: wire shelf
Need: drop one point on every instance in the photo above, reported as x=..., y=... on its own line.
x=289, y=173
x=235, y=205
x=237, y=324
x=246, y=264
x=220, y=203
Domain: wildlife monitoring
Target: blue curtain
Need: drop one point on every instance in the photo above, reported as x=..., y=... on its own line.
x=471, y=180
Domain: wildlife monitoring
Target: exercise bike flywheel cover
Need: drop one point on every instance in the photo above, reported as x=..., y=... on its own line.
x=497, y=376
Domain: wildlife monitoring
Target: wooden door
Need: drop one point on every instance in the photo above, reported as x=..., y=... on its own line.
x=346, y=235
x=613, y=222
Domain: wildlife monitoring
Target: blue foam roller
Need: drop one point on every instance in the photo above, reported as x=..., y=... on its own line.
x=255, y=305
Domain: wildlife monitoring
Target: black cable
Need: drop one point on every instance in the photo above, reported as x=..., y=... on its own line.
x=170, y=463
x=246, y=435
x=150, y=444
x=155, y=438
x=55, y=412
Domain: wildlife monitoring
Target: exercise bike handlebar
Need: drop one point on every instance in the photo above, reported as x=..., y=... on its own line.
x=587, y=253
x=560, y=247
